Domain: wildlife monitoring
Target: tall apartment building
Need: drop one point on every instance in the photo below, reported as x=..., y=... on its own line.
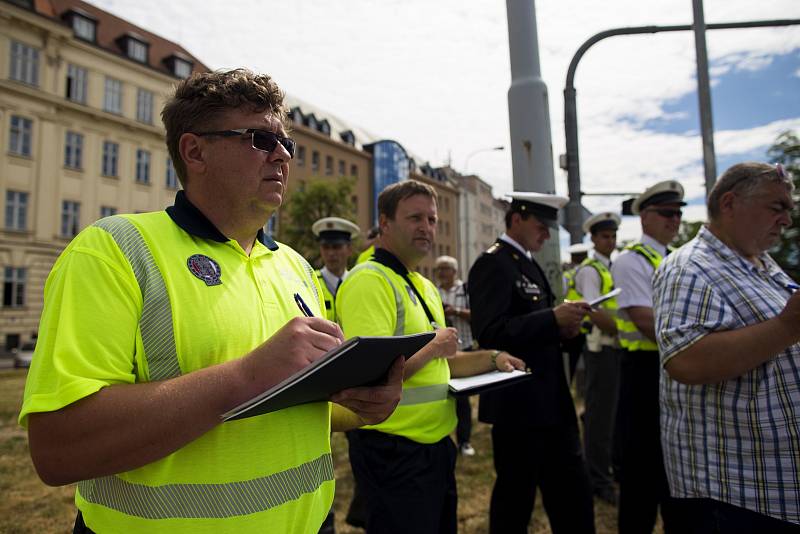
x=80, y=94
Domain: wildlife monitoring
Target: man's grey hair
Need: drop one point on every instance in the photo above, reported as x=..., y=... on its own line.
x=746, y=179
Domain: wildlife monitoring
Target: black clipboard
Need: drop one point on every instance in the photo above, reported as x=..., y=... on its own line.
x=359, y=361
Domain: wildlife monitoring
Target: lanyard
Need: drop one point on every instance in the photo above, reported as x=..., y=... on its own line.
x=384, y=257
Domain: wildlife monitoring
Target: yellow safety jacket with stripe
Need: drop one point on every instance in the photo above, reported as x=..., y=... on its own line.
x=136, y=298
x=630, y=338
x=328, y=298
x=376, y=301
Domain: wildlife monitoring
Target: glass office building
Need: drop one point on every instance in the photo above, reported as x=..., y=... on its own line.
x=390, y=164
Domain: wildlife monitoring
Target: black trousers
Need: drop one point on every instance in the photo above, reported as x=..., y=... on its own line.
x=714, y=517
x=409, y=486
x=643, y=487
x=464, y=414
x=546, y=458
x=600, y=396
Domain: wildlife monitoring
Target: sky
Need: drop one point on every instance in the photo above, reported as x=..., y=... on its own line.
x=434, y=76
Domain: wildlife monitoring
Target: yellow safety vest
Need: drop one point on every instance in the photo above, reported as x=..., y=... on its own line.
x=376, y=301
x=366, y=255
x=328, y=298
x=630, y=338
x=606, y=285
x=134, y=299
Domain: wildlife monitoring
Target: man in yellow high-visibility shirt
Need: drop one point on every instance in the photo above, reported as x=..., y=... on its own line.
x=156, y=324
x=405, y=465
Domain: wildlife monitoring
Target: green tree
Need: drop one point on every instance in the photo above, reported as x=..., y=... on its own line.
x=786, y=151
x=319, y=198
x=686, y=232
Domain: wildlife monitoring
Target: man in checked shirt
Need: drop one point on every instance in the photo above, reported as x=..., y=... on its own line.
x=728, y=328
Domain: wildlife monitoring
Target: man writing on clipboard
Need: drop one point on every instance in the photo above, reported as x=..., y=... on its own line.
x=412, y=449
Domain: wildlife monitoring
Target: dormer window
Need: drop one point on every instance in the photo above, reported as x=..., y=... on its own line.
x=179, y=65
x=348, y=138
x=83, y=28
x=137, y=50
x=83, y=24
x=325, y=127
x=183, y=69
x=311, y=122
x=296, y=115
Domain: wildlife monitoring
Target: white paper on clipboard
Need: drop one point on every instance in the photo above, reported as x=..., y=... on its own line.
x=602, y=298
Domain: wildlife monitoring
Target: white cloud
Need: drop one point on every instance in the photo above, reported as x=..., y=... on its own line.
x=434, y=75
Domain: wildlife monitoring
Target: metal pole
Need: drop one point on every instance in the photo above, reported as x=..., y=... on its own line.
x=529, y=121
x=704, y=96
x=574, y=221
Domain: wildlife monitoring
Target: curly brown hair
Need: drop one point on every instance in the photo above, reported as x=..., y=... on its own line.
x=201, y=99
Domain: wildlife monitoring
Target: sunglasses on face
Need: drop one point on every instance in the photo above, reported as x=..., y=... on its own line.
x=261, y=139
x=667, y=213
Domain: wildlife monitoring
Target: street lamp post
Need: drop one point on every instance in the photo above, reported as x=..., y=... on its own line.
x=489, y=149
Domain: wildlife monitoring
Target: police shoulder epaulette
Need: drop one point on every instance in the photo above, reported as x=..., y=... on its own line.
x=494, y=248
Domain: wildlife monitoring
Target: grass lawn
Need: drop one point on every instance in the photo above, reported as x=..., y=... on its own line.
x=28, y=506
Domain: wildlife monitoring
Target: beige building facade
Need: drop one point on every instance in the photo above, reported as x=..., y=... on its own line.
x=80, y=93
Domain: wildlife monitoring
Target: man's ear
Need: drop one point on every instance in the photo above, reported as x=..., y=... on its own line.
x=726, y=202
x=191, y=150
x=383, y=220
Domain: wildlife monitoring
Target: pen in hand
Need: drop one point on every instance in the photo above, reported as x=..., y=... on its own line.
x=302, y=305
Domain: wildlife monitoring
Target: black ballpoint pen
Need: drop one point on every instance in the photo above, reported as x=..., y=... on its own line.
x=302, y=305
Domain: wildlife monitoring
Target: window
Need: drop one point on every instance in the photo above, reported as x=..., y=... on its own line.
x=183, y=69
x=107, y=211
x=76, y=84
x=315, y=161
x=73, y=150
x=16, y=210
x=70, y=218
x=142, y=166
x=342, y=167
x=110, y=158
x=144, y=106
x=24, y=63
x=328, y=165
x=20, y=136
x=137, y=50
x=83, y=28
x=354, y=171
x=14, y=287
x=172, y=176
x=301, y=156
x=113, y=96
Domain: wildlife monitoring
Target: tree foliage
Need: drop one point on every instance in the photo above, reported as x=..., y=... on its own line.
x=686, y=232
x=786, y=151
x=319, y=198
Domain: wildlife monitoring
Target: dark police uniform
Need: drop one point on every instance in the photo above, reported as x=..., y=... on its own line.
x=535, y=431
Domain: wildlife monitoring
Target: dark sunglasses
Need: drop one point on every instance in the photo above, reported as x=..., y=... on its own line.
x=261, y=139
x=668, y=213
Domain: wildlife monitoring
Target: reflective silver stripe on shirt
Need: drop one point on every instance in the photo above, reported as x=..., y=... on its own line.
x=400, y=327
x=195, y=501
x=424, y=394
x=156, y=321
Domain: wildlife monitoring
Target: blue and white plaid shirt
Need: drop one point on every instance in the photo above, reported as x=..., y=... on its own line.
x=737, y=441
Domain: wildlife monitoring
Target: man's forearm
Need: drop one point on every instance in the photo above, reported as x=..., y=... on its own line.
x=604, y=321
x=728, y=355
x=642, y=317
x=122, y=427
x=471, y=363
